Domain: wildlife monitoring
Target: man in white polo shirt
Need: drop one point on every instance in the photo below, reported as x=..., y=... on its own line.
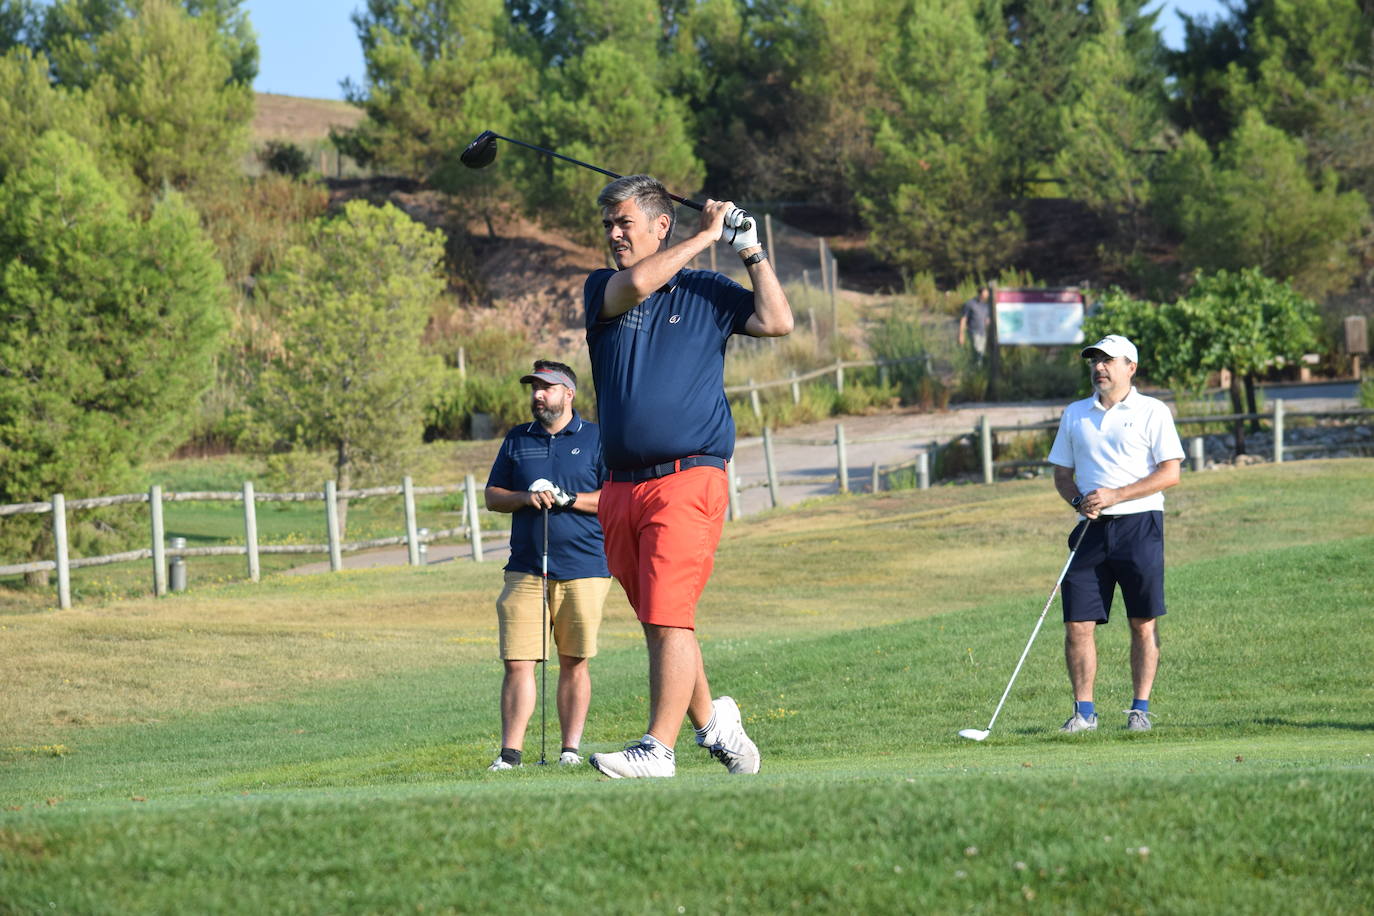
x=1114, y=455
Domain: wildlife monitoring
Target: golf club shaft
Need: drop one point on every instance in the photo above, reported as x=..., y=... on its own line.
x=544, y=640
x=586, y=165
x=1025, y=652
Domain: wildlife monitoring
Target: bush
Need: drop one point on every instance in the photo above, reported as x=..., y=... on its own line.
x=284, y=158
x=902, y=338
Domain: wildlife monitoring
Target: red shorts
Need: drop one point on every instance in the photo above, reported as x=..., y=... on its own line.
x=661, y=538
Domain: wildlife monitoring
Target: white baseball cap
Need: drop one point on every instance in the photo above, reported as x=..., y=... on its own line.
x=1114, y=345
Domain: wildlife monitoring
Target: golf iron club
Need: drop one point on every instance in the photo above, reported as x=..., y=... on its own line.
x=978, y=734
x=481, y=152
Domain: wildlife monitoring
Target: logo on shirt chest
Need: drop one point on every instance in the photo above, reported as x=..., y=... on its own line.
x=674, y=319
x=576, y=451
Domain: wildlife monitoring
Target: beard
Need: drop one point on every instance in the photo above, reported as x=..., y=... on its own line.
x=546, y=415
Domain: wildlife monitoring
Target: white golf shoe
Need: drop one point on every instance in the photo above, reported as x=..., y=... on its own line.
x=1137, y=720
x=498, y=765
x=569, y=759
x=639, y=760
x=727, y=741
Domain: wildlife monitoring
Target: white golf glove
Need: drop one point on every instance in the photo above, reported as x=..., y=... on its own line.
x=561, y=497
x=741, y=230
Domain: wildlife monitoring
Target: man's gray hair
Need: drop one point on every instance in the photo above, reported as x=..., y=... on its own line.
x=648, y=192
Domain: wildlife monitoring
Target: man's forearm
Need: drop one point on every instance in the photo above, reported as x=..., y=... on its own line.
x=772, y=312
x=633, y=285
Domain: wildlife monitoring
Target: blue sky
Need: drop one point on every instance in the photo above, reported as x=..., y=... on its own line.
x=310, y=46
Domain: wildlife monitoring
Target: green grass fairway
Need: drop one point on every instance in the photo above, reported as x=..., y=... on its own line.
x=318, y=744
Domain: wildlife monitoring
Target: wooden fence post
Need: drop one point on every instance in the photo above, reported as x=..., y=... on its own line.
x=331, y=523
x=842, y=460
x=839, y=376
x=1199, y=453
x=732, y=485
x=412, y=542
x=923, y=471
x=754, y=399
x=825, y=281
x=250, y=530
x=59, y=540
x=796, y=388
x=474, y=525
x=1278, y=431
x=159, y=541
x=770, y=466
x=877, y=478
x=985, y=437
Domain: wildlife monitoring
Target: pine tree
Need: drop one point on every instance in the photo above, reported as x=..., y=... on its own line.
x=351, y=308
x=931, y=199
x=110, y=322
x=1257, y=207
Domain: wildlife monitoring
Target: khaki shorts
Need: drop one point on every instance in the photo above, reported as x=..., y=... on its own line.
x=574, y=603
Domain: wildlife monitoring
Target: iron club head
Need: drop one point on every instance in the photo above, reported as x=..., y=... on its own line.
x=481, y=152
x=973, y=734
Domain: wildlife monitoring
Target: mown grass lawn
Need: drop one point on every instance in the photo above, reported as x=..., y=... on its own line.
x=318, y=744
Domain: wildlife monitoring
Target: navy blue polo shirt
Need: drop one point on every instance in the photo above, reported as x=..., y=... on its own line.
x=660, y=368
x=571, y=459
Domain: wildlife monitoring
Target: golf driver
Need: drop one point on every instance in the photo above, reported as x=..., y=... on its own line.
x=481, y=152
x=978, y=734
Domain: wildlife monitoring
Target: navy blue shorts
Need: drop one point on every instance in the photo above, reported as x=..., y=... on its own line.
x=1125, y=550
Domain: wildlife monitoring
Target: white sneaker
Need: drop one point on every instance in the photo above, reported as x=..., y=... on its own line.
x=727, y=741
x=1137, y=720
x=638, y=760
x=569, y=759
x=498, y=765
x=1079, y=723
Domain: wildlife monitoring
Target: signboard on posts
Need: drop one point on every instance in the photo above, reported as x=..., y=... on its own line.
x=1043, y=317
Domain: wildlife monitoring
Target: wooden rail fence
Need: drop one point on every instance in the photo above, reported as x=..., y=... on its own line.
x=158, y=551
x=983, y=436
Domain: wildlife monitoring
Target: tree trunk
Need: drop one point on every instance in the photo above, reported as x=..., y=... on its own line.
x=1250, y=406
x=343, y=478
x=1237, y=406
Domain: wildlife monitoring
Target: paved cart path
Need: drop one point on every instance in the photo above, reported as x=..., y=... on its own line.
x=810, y=469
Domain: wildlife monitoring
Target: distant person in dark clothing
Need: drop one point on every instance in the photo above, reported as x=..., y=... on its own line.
x=973, y=323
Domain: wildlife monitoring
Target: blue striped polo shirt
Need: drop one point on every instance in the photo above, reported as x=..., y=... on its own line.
x=572, y=459
x=660, y=368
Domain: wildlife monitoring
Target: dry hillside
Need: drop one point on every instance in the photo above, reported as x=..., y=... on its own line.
x=302, y=121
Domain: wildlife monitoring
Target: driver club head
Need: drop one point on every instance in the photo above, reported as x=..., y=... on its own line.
x=481, y=152
x=974, y=734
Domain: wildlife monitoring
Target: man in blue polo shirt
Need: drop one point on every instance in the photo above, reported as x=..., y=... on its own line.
x=1114, y=455
x=552, y=466
x=657, y=333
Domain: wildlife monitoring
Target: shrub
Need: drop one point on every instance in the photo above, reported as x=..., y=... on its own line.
x=284, y=158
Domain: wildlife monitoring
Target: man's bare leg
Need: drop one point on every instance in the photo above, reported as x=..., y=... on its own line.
x=1144, y=655
x=517, y=702
x=1080, y=653
x=677, y=682
x=574, y=697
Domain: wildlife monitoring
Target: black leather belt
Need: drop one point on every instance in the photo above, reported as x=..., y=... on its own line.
x=640, y=475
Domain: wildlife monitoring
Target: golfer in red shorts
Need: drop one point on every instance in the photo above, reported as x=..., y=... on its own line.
x=657, y=333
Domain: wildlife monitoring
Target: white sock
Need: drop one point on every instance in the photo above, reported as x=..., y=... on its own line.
x=707, y=728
